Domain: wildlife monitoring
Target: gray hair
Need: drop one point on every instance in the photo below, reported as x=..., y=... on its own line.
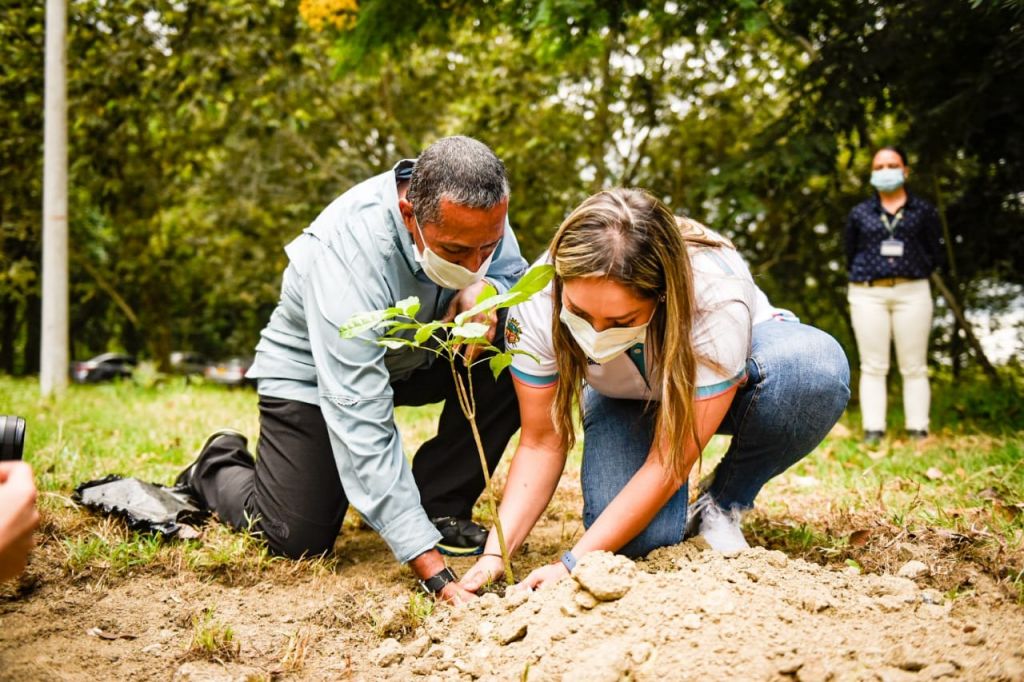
x=460, y=169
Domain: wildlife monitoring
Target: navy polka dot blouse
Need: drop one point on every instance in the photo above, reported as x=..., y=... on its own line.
x=918, y=228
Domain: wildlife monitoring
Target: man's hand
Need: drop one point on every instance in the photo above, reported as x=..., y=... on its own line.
x=545, y=575
x=455, y=594
x=487, y=569
x=464, y=300
x=18, y=517
x=429, y=564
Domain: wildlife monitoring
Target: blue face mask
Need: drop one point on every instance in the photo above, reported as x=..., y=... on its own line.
x=887, y=179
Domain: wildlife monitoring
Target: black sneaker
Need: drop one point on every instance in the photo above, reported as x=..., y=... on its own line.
x=184, y=483
x=917, y=434
x=460, y=537
x=873, y=437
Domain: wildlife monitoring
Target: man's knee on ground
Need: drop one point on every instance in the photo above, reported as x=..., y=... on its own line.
x=298, y=541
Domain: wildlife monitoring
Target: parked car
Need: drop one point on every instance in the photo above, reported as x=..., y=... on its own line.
x=230, y=372
x=103, y=368
x=188, y=362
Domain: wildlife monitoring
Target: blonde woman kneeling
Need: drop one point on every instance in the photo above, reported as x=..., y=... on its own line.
x=656, y=327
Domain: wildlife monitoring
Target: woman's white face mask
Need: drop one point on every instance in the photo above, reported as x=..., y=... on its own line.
x=444, y=273
x=603, y=347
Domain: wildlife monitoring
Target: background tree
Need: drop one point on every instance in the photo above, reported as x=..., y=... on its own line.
x=205, y=136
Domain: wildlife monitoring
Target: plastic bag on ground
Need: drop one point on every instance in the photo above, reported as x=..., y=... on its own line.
x=146, y=507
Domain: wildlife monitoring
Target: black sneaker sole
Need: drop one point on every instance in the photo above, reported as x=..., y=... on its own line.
x=451, y=550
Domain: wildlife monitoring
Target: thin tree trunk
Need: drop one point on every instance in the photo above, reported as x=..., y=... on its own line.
x=958, y=313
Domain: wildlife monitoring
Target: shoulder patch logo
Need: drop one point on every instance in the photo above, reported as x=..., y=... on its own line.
x=513, y=331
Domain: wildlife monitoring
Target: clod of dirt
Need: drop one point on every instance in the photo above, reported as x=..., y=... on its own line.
x=203, y=671
x=719, y=601
x=905, y=658
x=512, y=630
x=974, y=639
x=692, y=621
x=913, y=569
x=585, y=600
x=814, y=671
x=939, y=670
x=605, y=575
x=388, y=653
x=418, y=646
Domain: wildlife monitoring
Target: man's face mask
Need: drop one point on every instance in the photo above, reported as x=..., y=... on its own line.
x=444, y=273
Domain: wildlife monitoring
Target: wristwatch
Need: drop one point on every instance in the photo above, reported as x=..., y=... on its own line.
x=434, y=584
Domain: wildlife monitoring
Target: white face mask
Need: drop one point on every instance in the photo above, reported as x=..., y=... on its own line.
x=602, y=347
x=443, y=273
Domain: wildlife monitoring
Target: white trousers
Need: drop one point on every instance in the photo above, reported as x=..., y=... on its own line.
x=881, y=315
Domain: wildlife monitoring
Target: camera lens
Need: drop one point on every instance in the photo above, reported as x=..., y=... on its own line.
x=12, y=437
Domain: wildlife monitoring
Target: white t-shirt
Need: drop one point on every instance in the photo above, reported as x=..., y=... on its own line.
x=729, y=304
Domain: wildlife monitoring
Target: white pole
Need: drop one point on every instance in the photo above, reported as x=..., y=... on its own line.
x=53, y=355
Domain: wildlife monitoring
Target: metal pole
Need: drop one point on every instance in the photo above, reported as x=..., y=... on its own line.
x=53, y=353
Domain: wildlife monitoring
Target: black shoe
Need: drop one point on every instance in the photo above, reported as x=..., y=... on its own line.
x=185, y=484
x=873, y=437
x=460, y=537
x=917, y=434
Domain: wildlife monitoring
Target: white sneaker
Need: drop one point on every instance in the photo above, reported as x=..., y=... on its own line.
x=719, y=527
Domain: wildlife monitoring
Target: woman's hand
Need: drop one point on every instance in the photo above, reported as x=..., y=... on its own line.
x=545, y=575
x=455, y=594
x=487, y=569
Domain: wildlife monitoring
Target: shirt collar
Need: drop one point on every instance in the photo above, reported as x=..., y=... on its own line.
x=403, y=240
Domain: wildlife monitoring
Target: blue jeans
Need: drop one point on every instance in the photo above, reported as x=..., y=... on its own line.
x=798, y=384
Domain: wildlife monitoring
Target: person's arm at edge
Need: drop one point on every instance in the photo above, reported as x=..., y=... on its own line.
x=18, y=517
x=532, y=478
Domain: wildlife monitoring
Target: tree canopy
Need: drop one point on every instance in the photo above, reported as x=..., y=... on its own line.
x=205, y=136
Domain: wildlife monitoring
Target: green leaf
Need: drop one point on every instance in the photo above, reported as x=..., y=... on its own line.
x=395, y=342
x=516, y=351
x=470, y=330
x=426, y=330
x=487, y=305
x=409, y=306
x=361, y=322
x=499, y=362
x=486, y=292
x=535, y=279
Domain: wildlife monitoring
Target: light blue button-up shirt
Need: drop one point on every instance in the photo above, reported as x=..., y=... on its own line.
x=355, y=257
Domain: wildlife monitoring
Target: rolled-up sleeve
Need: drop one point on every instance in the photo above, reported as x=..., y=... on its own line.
x=508, y=264
x=357, y=403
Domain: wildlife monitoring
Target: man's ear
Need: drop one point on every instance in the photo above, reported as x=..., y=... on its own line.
x=405, y=207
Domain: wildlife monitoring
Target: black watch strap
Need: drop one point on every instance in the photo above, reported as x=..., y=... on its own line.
x=436, y=583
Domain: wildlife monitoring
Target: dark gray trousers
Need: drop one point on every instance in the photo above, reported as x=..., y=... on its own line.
x=291, y=492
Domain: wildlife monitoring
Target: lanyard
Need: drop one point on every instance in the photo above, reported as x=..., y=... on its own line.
x=895, y=221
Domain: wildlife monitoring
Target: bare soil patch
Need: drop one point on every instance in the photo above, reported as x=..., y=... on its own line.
x=683, y=613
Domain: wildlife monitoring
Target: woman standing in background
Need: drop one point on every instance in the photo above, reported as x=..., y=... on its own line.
x=893, y=243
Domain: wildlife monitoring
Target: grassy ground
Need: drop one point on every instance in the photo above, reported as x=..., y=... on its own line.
x=954, y=501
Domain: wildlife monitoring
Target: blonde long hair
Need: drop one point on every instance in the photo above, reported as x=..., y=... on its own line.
x=630, y=237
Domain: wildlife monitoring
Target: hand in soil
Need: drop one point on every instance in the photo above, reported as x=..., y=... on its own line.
x=486, y=570
x=455, y=594
x=542, y=576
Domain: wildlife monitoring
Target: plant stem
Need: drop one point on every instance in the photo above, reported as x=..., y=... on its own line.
x=468, y=404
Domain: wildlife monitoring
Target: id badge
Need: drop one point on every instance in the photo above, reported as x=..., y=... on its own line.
x=892, y=248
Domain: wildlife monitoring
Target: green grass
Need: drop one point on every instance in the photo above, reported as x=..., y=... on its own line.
x=211, y=639
x=959, y=493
